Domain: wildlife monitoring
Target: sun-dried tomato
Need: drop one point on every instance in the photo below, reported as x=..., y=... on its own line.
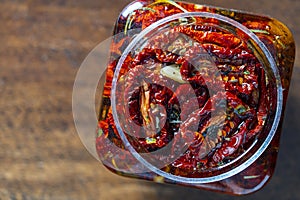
x=198, y=81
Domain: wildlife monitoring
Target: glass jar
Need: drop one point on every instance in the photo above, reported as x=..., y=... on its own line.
x=194, y=95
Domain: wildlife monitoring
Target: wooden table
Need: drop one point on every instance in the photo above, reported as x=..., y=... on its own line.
x=42, y=44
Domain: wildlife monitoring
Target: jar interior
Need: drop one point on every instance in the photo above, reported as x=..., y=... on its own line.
x=196, y=97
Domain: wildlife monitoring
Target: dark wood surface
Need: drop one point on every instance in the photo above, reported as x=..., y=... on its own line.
x=42, y=44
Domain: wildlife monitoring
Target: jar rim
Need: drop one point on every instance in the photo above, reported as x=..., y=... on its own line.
x=269, y=137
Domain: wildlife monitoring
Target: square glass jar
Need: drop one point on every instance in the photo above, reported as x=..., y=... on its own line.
x=195, y=95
